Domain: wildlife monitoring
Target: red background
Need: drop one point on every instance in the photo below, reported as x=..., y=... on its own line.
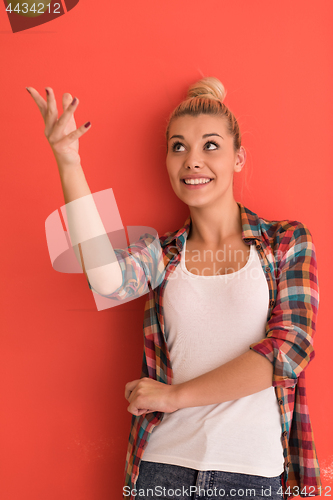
x=64, y=365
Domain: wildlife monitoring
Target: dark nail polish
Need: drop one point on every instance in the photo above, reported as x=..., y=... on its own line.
x=73, y=101
x=47, y=92
x=87, y=124
x=28, y=90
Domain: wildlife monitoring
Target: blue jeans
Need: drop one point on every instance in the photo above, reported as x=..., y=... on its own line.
x=159, y=481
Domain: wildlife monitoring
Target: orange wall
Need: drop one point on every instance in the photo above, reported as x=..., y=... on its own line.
x=64, y=365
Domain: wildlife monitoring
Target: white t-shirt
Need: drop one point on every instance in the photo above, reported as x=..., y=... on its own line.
x=210, y=320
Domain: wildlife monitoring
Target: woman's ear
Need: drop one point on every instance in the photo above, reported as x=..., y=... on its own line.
x=240, y=159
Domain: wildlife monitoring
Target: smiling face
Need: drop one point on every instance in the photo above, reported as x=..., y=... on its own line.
x=204, y=151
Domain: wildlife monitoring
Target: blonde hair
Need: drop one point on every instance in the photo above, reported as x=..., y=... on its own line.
x=206, y=96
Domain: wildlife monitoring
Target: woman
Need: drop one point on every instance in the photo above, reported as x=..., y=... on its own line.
x=220, y=408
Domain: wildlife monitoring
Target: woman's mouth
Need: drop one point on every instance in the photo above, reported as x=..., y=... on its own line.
x=196, y=183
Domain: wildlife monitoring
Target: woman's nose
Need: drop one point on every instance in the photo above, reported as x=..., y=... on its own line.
x=193, y=160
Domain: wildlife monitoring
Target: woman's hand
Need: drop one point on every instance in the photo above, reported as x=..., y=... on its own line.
x=147, y=395
x=61, y=132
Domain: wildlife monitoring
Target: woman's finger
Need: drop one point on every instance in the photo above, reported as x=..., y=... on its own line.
x=137, y=411
x=51, y=112
x=41, y=103
x=129, y=387
x=66, y=100
x=73, y=136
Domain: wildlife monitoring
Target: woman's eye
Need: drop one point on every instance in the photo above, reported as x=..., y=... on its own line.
x=175, y=145
x=214, y=143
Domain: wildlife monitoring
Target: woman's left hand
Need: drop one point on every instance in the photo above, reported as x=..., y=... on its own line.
x=146, y=395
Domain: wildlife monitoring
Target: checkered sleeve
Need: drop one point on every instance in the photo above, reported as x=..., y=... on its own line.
x=288, y=343
x=142, y=268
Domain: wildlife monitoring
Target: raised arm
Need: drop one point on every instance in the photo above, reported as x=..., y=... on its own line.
x=88, y=236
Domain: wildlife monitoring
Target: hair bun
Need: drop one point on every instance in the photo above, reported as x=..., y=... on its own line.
x=209, y=87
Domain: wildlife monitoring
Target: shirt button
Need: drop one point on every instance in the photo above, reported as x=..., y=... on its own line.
x=267, y=268
x=271, y=303
x=258, y=247
x=280, y=401
x=284, y=433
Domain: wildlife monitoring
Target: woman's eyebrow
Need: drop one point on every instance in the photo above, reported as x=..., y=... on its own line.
x=204, y=136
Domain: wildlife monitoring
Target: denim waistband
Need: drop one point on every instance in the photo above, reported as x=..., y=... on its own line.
x=158, y=481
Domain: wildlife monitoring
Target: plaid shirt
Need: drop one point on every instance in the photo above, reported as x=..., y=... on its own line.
x=287, y=254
